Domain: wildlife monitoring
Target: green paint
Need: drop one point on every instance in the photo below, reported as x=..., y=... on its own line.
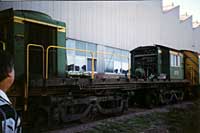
x=61, y=53
x=159, y=61
x=37, y=16
x=177, y=72
x=19, y=49
x=17, y=39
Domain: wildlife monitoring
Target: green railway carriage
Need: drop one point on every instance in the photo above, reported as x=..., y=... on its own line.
x=157, y=62
x=18, y=28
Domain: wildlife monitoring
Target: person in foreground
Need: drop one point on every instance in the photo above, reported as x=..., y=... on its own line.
x=9, y=120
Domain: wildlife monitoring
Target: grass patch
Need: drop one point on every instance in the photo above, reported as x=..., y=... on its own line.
x=177, y=120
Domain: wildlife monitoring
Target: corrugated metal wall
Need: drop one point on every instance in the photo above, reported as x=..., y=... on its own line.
x=120, y=24
x=176, y=33
x=196, y=35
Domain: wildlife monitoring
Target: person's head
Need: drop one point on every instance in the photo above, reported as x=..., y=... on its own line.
x=7, y=72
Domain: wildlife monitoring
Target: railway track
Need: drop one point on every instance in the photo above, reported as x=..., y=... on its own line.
x=131, y=113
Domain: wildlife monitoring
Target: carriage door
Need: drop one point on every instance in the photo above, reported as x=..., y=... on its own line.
x=41, y=35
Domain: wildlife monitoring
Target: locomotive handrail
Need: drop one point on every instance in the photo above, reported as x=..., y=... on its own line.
x=4, y=45
x=87, y=51
x=117, y=55
x=27, y=70
x=60, y=47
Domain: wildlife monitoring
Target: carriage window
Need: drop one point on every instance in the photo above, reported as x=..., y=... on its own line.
x=117, y=61
x=113, y=61
x=175, y=60
x=70, y=44
x=82, y=46
x=89, y=64
x=80, y=63
x=77, y=60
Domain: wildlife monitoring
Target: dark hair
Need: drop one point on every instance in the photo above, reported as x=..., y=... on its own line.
x=6, y=64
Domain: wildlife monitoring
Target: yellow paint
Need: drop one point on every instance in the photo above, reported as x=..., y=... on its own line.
x=92, y=65
x=60, y=47
x=191, y=67
x=86, y=51
x=17, y=20
x=176, y=53
x=61, y=29
x=21, y=20
x=20, y=35
x=27, y=72
x=116, y=55
x=173, y=52
x=4, y=45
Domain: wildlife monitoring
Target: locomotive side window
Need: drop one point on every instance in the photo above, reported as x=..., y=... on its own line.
x=175, y=60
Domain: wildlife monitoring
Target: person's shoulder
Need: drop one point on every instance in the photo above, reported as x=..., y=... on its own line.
x=4, y=98
x=8, y=111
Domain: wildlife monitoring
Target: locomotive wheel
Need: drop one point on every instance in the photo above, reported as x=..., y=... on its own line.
x=54, y=119
x=124, y=108
x=151, y=100
x=91, y=115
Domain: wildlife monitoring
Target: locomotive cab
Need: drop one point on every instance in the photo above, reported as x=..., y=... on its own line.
x=144, y=62
x=27, y=35
x=20, y=28
x=156, y=62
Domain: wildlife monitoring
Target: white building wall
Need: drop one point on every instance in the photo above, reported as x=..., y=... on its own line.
x=175, y=33
x=120, y=24
x=147, y=25
x=170, y=28
x=186, y=35
x=125, y=24
x=196, y=35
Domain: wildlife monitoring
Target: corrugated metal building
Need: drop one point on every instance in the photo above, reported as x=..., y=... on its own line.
x=116, y=27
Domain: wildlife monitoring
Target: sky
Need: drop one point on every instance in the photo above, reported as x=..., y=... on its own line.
x=192, y=7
